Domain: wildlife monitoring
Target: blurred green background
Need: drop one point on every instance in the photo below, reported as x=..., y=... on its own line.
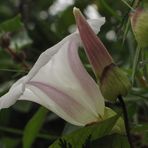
x=28, y=27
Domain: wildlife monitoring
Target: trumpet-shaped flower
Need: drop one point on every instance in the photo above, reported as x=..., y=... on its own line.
x=59, y=82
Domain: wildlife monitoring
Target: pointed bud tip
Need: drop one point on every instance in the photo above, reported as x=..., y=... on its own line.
x=76, y=11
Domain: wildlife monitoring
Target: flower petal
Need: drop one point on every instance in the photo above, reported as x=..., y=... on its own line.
x=64, y=83
x=94, y=97
x=11, y=97
x=95, y=24
x=29, y=95
x=62, y=104
x=47, y=55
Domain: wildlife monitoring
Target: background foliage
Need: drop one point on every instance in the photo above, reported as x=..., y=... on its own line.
x=28, y=27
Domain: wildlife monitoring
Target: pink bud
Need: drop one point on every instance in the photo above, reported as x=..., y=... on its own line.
x=95, y=50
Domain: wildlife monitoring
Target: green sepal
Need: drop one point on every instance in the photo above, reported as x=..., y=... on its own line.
x=114, y=82
x=119, y=127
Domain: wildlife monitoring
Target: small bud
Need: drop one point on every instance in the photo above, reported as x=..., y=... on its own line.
x=5, y=40
x=139, y=25
x=114, y=83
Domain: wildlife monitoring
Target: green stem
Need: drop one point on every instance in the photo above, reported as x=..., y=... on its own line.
x=135, y=63
x=110, y=10
x=20, y=132
x=126, y=120
x=128, y=5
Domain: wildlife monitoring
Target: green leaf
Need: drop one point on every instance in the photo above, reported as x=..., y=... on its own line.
x=135, y=63
x=11, y=24
x=8, y=142
x=112, y=141
x=33, y=126
x=23, y=106
x=140, y=128
x=110, y=9
x=79, y=137
x=127, y=27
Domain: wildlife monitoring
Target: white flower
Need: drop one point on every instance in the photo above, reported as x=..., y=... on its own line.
x=59, y=82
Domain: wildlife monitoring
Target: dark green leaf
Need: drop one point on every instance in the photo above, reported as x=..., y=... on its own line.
x=79, y=137
x=112, y=141
x=9, y=142
x=33, y=126
x=23, y=106
x=141, y=128
x=11, y=24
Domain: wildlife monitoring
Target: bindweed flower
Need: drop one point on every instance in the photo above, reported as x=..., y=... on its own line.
x=139, y=25
x=113, y=82
x=59, y=82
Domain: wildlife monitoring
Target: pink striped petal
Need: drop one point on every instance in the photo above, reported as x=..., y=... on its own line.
x=29, y=95
x=59, y=73
x=92, y=90
x=59, y=102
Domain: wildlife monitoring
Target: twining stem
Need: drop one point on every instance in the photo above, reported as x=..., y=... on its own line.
x=5, y=44
x=135, y=63
x=128, y=5
x=20, y=133
x=126, y=120
x=16, y=56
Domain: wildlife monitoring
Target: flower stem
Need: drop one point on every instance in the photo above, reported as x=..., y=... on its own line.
x=126, y=120
x=17, y=57
x=128, y=5
x=21, y=132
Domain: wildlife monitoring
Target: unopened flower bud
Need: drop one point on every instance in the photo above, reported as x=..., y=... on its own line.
x=139, y=25
x=114, y=82
x=95, y=50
